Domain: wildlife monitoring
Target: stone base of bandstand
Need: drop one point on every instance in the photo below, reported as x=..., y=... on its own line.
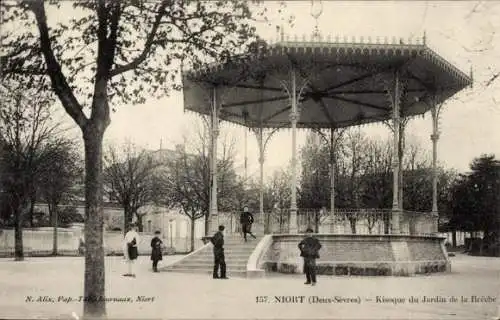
x=352, y=254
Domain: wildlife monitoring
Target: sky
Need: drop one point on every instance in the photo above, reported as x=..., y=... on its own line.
x=466, y=33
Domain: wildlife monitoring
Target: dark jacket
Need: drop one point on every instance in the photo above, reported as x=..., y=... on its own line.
x=246, y=218
x=309, y=247
x=218, y=241
x=156, y=252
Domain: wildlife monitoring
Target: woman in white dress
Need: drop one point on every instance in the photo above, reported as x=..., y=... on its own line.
x=130, y=251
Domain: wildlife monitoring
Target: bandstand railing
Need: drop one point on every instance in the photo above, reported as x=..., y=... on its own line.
x=343, y=221
x=354, y=221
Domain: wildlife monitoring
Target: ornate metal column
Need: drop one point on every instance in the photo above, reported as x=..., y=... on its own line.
x=293, y=120
x=262, y=152
x=434, y=138
x=213, y=162
x=395, y=157
x=260, y=138
x=246, y=157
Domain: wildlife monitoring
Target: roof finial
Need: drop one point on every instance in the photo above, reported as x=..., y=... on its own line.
x=424, y=38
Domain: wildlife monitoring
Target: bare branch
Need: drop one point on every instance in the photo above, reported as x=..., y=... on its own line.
x=492, y=79
x=147, y=46
x=59, y=83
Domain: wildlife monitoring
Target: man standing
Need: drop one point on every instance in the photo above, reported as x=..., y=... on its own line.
x=309, y=250
x=130, y=251
x=219, y=259
x=246, y=220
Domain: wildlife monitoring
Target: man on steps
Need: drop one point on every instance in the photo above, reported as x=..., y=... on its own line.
x=219, y=259
x=246, y=220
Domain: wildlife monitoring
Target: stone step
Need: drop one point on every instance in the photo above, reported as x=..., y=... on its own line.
x=230, y=273
x=241, y=241
x=208, y=264
x=206, y=267
x=201, y=264
x=234, y=248
x=235, y=253
x=211, y=258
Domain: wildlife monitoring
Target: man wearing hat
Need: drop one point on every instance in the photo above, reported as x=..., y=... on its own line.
x=219, y=259
x=130, y=251
x=309, y=250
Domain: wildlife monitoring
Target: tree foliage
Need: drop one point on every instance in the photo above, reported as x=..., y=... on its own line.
x=102, y=54
x=61, y=170
x=474, y=197
x=364, y=177
x=187, y=181
x=27, y=132
x=130, y=178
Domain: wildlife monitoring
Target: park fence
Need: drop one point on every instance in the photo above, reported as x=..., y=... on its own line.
x=71, y=242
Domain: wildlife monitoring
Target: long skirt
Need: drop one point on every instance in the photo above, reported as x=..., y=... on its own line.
x=132, y=252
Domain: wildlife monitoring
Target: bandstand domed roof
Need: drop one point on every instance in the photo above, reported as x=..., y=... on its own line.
x=342, y=83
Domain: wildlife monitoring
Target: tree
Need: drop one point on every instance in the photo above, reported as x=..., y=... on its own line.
x=353, y=157
x=474, y=200
x=279, y=192
x=187, y=181
x=26, y=128
x=114, y=53
x=59, y=169
x=129, y=179
x=183, y=185
x=315, y=181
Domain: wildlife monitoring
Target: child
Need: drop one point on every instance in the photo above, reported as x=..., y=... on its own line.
x=156, y=248
x=309, y=248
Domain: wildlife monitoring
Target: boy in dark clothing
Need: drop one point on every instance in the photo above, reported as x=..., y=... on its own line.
x=246, y=220
x=156, y=250
x=219, y=259
x=309, y=248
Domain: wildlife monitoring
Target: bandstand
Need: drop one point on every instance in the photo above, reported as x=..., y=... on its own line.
x=333, y=83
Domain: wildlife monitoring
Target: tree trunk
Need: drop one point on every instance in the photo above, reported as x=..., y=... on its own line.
x=387, y=221
x=18, y=234
x=192, y=233
x=454, y=238
x=206, y=225
x=140, y=226
x=54, y=224
x=94, y=282
x=353, y=221
x=32, y=209
x=126, y=219
x=316, y=221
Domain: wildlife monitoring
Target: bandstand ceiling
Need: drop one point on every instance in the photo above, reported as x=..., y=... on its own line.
x=343, y=84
